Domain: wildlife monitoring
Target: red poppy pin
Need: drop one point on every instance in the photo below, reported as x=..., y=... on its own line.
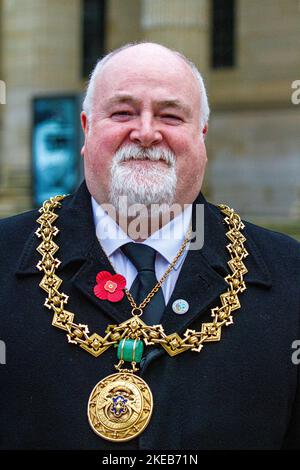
x=109, y=286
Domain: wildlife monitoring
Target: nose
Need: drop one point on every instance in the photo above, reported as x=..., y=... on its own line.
x=146, y=133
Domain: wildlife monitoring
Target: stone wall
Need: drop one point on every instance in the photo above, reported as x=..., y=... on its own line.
x=253, y=139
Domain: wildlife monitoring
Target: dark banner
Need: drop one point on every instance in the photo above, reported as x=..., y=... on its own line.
x=56, y=161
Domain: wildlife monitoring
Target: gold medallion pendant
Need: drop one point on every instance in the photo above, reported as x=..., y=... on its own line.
x=120, y=407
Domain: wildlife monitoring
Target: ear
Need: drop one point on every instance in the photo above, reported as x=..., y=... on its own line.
x=84, y=122
x=85, y=127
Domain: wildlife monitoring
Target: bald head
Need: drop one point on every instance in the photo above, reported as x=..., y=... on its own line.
x=145, y=58
x=143, y=53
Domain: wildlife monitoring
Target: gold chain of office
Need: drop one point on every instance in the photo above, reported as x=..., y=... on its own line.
x=135, y=328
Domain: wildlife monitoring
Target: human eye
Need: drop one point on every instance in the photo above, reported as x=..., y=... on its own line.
x=171, y=118
x=122, y=115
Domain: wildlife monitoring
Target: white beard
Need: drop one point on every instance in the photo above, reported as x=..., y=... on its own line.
x=134, y=184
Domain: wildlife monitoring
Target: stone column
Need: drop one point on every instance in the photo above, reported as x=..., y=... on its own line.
x=41, y=50
x=181, y=25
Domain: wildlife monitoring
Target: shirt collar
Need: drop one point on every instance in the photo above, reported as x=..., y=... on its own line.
x=166, y=241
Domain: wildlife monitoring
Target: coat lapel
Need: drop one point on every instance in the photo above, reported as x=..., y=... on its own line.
x=78, y=246
x=200, y=286
x=201, y=280
x=85, y=279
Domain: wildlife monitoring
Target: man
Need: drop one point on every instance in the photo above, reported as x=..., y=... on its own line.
x=144, y=120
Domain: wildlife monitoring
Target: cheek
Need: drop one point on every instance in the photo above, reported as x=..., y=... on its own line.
x=107, y=137
x=179, y=144
x=184, y=142
x=191, y=154
x=98, y=145
x=100, y=148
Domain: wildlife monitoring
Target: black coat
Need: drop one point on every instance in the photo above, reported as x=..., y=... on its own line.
x=238, y=393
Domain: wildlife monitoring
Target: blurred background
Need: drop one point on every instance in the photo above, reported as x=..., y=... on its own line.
x=248, y=52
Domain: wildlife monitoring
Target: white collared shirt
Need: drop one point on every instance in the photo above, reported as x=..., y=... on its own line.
x=166, y=242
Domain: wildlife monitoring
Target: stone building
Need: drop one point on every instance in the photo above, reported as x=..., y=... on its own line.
x=247, y=50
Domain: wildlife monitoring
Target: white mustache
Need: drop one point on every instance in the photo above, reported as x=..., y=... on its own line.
x=135, y=152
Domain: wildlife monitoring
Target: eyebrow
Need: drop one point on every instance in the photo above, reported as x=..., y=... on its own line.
x=174, y=103
x=168, y=103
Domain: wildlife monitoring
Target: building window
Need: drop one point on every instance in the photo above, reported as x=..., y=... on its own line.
x=93, y=34
x=223, y=33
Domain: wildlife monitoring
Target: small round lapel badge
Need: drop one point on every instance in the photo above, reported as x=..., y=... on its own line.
x=180, y=306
